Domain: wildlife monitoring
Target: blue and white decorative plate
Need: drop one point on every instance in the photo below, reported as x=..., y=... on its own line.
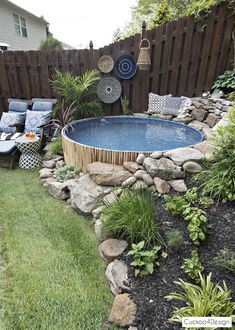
x=125, y=66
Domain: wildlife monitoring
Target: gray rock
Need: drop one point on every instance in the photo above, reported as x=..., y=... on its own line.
x=160, y=116
x=219, y=105
x=140, y=159
x=56, y=189
x=85, y=193
x=196, y=103
x=222, y=122
x=129, y=182
x=139, y=185
x=182, y=155
x=184, y=120
x=178, y=185
x=199, y=114
x=49, y=163
x=161, y=186
x=123, y=311
x=139, y=174
x=112, y=248
x=148, y=180
x=205, y=147
x=117, y=276
x=48, y=180
x=192, y=167
x=60, y=163
x=207, y=132
x=108, y=174
x=98, y=228
x=163, y=168
x=97, y=212
x=57, y=158
x=212, y=119
x=110, y=198
x=217, y=112
x=156, y=154
x=197, y=124
x=45, y=173
x=132, y=166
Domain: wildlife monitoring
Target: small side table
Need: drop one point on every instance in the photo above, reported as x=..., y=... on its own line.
x=29, y=149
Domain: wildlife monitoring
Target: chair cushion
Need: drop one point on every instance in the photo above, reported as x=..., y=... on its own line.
x=11, y=118
x=15, y=106
x=156, y=103
x=42, y=106
x=6, y=147
x=34, y=119
x=173, y=105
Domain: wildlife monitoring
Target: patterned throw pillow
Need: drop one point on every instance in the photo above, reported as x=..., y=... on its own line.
x=156, y=103
x=34, y=119
x=11, y=118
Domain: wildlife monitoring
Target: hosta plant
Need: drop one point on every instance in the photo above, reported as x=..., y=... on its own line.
x=225, y=82
x=193, y=267
x=202, y=299
x=144, y=261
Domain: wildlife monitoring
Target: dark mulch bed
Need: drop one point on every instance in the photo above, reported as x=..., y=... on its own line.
x=148, y=292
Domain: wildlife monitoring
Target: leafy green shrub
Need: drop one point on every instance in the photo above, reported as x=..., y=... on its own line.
x=144, y=261
x=225, y=259
x=132, y=216
x=204, y=299
x=175, y=204
x=218, y=181
x=125, y=106
x=67, y=172
x=181, y=205
x=197, y=226
x=225, y=82
x=174, y=239
x=56, y=147
x=193, y=267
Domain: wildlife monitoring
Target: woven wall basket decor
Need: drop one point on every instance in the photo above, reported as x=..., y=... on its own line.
x=109, y=90
x=125, y=66
x=105, y=64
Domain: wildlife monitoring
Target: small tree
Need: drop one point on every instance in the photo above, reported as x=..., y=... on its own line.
x=50, y=43
x=163, y=15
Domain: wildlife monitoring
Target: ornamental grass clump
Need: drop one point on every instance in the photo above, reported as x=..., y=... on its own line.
x=218, y=181
x=204, y=299
x=132, y=217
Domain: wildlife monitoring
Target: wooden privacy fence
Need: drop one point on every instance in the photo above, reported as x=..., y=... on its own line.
x=185, y=60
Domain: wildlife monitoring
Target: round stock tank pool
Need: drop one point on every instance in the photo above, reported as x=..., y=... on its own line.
x=121, y=138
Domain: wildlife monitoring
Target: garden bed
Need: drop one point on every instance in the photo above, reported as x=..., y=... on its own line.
x=148, y=292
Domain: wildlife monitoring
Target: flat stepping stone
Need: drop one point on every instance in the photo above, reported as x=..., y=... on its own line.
x=111, y=249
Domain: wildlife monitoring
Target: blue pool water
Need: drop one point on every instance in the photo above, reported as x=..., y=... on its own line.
x=132, y=134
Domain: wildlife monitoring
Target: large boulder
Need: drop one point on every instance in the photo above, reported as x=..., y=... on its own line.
x=57, y=190
x=163, y=168
x=123, y=311
x=85, y=193
x=116, y=274
x=182, y=155
x=108, y=174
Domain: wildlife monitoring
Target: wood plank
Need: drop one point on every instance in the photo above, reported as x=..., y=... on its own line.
x=176, y=55
x=4, y=85
x=12, y=74
x=33, y=76
x=23, y=74
x=166, y=61
x=186, y=56
x=157, y=60
x=43, y=75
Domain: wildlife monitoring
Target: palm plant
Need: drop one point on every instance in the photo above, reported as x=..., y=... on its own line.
x=76, y=93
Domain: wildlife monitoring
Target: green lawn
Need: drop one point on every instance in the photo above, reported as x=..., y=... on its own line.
x=50, y=274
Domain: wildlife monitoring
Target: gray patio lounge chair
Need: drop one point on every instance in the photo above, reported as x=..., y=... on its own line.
x=11, y=122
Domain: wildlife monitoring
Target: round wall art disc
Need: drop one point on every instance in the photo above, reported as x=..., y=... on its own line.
x=109, y=90
x=125, y=66
x=105, y=64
